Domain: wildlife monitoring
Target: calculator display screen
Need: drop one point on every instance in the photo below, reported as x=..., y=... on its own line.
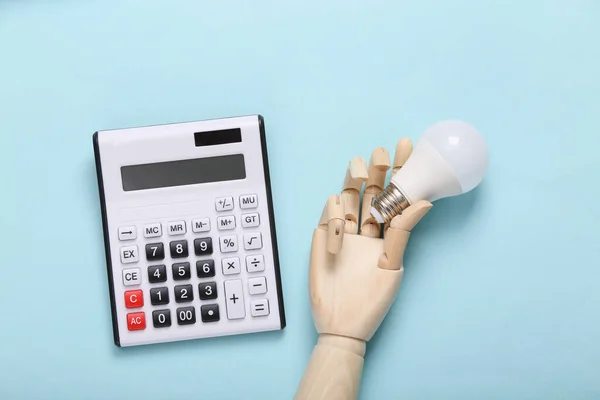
x=183, y=172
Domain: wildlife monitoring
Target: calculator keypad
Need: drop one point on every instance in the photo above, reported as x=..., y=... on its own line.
x=219, y=279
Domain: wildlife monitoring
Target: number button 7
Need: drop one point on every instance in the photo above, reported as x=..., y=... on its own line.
x=155, y=251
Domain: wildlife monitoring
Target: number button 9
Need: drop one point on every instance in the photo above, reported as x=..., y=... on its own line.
x=203, y=246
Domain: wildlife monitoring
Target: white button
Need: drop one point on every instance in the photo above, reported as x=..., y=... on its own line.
x=255, y=263
x=153, y=230
x=259, y=308
x=224, y=203
x=132, y=277
x=257, y=285
x=231, y=266
x=129, y=254
x=177, y=228
x=127, y=233
x=228, y=244
x=250, y=220
x=248, y=201
x=252, y=241
x=201, y=225
x=226, y=223
x=234, y=299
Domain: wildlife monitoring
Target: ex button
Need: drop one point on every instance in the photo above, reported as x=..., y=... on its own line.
x=129, y=254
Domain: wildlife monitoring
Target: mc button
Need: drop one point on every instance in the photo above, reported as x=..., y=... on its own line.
x=136, y=321
x=134, y=299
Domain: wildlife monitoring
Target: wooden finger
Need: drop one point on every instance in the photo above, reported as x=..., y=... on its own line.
x=378, y=167
x=356, y=175
x=404, y=149
x=396, y=236
x=333, y=220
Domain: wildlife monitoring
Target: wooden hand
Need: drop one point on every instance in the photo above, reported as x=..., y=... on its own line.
x=356, y=267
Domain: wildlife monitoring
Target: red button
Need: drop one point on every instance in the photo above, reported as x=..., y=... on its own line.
x=134, y=299
x=136, y=321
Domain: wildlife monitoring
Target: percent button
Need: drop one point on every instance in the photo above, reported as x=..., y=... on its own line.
x=228, y=244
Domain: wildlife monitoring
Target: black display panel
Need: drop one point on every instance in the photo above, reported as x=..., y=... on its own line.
x=222, y=136
x=183, y=172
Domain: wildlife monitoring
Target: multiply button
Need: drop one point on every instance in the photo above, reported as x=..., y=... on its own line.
x=250, y=220
x=224, y=203
x=252, y=241
x=255, y=263
x=231, y=266
x=248, y=201
x=129, y=254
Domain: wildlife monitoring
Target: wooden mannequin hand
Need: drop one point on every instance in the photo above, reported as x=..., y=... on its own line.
x=355, y=270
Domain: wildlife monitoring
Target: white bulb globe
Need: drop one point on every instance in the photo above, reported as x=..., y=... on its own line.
x=450, y=158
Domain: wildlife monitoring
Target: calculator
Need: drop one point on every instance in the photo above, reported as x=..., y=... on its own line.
x=189, y=230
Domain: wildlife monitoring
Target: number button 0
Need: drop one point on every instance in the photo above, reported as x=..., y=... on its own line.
x=186, y=315
x=183, y=293
x=159, y=296
x=208, y=290
x=155, y=251
x=181, y=271
x=205, y=268
x=203, y=246
x=157, y=273
x=161, y=318
x=179, y=249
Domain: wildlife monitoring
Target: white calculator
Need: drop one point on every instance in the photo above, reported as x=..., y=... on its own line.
x=189, y=231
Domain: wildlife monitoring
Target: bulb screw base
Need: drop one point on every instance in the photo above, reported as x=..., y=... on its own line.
x=387, y=204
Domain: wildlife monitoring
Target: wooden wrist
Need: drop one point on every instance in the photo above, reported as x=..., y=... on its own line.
x=352, y=345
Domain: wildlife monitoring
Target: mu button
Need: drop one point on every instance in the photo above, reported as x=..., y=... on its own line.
x=134, y=299
x=136, y=321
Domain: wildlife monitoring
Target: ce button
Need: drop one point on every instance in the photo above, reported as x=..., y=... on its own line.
x=132, y=277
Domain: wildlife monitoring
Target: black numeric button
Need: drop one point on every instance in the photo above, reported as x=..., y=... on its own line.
x=159, y=296
x=155, y=251
x=203, y=246
x=161, y=318
x=184, y=293
x=157, y=273
x=186, y=315
x=207, y=290
x=182, y=271
x=205, y=268
x=210, y=312
x=179, y=249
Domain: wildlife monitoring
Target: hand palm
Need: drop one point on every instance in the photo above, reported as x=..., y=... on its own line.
x=354, y=275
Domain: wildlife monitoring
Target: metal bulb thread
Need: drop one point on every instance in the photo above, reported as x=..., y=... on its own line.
x=389, y=203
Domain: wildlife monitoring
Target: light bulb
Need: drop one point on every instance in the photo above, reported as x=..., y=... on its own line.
x=450, y=158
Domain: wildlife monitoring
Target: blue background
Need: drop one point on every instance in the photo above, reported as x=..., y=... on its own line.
x=500, y=297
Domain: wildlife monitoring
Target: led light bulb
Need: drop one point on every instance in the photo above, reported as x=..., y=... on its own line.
x=450, y=158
